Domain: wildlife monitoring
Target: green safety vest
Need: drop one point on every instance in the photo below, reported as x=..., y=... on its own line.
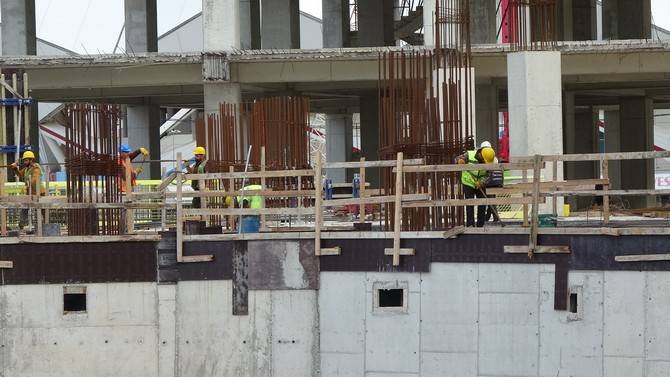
x=255, y=201
x=199, y=170
x=469, y=177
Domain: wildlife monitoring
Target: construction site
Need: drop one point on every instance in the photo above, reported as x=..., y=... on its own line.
x=406, y=188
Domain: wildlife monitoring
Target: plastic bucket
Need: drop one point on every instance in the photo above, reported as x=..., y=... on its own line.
x=250, y=224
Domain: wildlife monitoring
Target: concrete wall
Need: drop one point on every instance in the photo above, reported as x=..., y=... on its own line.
x=496, y=320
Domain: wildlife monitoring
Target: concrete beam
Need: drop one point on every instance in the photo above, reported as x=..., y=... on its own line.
x=18, y=27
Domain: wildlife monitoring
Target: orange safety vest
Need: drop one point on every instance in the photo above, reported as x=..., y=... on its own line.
x=126, y=164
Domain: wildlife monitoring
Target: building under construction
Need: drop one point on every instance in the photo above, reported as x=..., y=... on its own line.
x=361, y=263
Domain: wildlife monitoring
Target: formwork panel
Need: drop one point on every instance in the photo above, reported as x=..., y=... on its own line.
x=658, y=307
x=624, y=313
x=439, y=364
x=508, y=278
x=623, y=366
x=449, y=308
x=342, y=307
x=295, y=339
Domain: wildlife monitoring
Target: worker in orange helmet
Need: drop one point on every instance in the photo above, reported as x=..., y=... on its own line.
x=125, y=161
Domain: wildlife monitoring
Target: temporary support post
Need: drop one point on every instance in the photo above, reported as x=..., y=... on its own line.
x=554, y=177
x=604, y=166
x=318, y=214
x=398, y=211
x=180, y=220
x=263, y=225
x=524, y=179
x=361, y=191
x=231, y=194
x=532, y=242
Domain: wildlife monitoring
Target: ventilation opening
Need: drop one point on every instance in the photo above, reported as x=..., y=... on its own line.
x=74, y=299
x=391, y=298
x=573, y=303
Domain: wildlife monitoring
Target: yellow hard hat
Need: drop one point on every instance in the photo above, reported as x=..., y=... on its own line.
x=228, y=200
x=28, y=154
x=199, y=150
x=489, y=155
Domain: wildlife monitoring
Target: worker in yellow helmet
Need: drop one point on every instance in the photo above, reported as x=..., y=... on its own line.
x=474, y=181
x=199, y=167
x=30, y=172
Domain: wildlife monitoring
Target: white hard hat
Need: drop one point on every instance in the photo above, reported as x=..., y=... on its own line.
x=485, y=144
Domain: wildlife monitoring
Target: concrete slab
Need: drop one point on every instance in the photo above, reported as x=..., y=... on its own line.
x=342, y=331
x=438, y=364
x=624, y=313
x=658, y=307
x=508, y=278
x=623, y=366
x=449, y=308
x=295, y=329
x=572, y=347
x=392, y=338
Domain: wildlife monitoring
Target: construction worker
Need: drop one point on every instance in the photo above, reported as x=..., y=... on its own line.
x=125, y=161
x=494, y=180
x=251, y=223
x=474, y=182
x=200, y=167
x=30, y=173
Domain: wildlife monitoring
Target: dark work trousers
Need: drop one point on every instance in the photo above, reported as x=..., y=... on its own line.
x=197, y=202
x=471, y=193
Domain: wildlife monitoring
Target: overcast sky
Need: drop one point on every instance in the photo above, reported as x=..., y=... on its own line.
x=93, y=26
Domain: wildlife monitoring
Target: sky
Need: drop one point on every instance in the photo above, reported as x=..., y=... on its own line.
x=93, y=26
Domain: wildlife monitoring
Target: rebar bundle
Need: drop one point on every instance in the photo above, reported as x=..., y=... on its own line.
x=93, y=136
x=426, y=111
x=533, y=24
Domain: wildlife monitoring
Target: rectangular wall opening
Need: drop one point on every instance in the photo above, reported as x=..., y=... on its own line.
x=572, y=307
x=391, y=298
x=74, y=299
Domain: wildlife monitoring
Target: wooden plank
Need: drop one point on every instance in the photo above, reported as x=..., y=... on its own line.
x=247, y=211
x=604, y=169
x=166, y=182
x=461, y=167
x=263, y=225
x=371, y=164
x=253, y=174
x=318, y=219
x=524, y=179
x=544, y=249
x=197, y=258
x=642, y=258
x=224, y=193
x=362, y=193
x=180, y=214
x=633, y=192
x=454, y=232
x=532, y=241
x=374, y=200
x=6, y=264
x=330, y=251
x=398, y=210
x=401, y=251
x=470, y=202
x=598, y=156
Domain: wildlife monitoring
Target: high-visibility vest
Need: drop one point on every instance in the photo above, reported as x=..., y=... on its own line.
x=469, y=177
x=200, y=169
x=26, y=175
x=126, y=164
x=255, y=201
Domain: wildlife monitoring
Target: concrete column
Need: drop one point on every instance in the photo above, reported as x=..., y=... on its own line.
x=613, y=144
x=280, y=24
x=535, y=106
x=143, y=121
x=141, y=26
x=18, y=27
x=335, y=23
x=483, y=21
x=375, y=23
x=486, y=108
x=637, y=134
x=429, y=23
x=626, y=19
x=369, y=104
x=221, y=24
x=579, y=20
x=250, y=24
x=336, y=143
x=581, y=136
x=221, y=30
